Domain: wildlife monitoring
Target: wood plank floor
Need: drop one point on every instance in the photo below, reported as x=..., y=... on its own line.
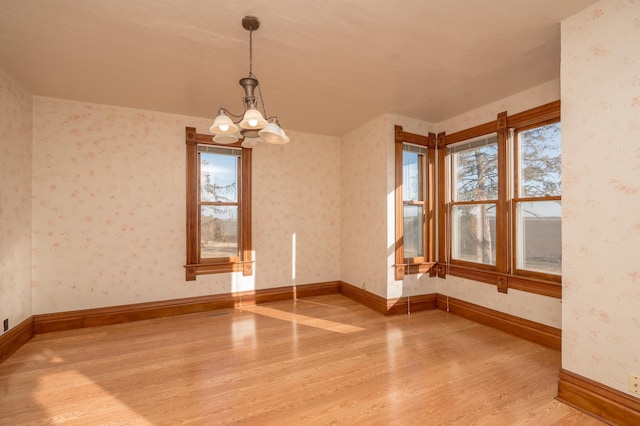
x=320, y=360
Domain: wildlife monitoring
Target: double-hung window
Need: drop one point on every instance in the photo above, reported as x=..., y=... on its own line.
x=537, y=204
x=218, y=207
x=500, y=201
x=473, y=168
x=414, y=199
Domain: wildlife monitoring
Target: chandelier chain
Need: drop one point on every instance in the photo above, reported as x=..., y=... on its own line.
x=264, y=110
x=251, y=53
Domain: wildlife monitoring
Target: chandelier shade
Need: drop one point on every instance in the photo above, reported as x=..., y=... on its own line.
x=253, y=120
x=253, y=126
x=273, y=134
x=223, y=125
x=225, y=139
x=250, y=142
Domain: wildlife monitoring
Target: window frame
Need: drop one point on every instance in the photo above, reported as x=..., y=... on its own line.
x=516, y=197
x=453, y=202
x=504, y=274
x=425, y=263
x=194, y=264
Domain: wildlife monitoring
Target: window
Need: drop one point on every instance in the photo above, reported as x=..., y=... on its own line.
x=537, y=199
x=500, y=192
x=414, y=203
x=474, y=195
x=218, y=207
x=219, y=173
x=413, y=200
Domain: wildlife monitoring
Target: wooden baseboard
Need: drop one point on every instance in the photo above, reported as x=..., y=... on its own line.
x=598, y=400
x=404, y=305
x=529, y=330
x=319, y=289
x=399, y=306
x=46, y=323
x=13, y=339
x=370, y=300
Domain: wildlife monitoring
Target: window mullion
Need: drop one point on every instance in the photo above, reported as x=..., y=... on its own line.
x=502, y=222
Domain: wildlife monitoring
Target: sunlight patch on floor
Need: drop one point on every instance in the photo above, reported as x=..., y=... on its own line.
x=336, y=327
x=68, y=407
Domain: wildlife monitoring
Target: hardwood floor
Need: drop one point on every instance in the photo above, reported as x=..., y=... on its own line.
x=319, y=360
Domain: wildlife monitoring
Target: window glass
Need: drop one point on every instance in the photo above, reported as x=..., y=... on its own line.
x=218, y=178
x=473, y=230
x=413, y=231
x=539, y=236
x=411, y=175
x=475, y=167
x=540, y=161
x=218, y=232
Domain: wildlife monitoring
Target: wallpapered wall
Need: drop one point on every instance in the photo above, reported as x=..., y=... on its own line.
x=15, y=201
x=109, y=209
x=368, y=224
x=363, y=154
x=600, y=77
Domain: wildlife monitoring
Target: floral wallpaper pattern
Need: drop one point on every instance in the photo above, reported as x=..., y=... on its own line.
x=600, y=77
x=16, y=112
x=363, y=156
x=296, y=211
x=109, y=208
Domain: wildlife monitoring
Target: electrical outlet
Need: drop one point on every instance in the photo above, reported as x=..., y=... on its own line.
x=634, y=383
x=5, y=324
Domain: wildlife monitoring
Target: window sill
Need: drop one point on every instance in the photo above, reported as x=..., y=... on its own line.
x=403, y=269
x=191, y=271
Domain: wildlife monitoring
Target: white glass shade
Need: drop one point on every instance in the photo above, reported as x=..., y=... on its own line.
x=225, y=139
x=273, y=134
x=253, y=119
x=223, y=125
x=286, y=138
x=250, y=142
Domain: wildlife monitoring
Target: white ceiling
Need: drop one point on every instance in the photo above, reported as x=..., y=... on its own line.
x=325, y=66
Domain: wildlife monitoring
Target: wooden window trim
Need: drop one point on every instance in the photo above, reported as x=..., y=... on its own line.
x=503, y=275
x=423, y=264
x=194, y=266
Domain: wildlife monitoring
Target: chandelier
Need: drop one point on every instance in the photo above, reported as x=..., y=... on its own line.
x=252, y=125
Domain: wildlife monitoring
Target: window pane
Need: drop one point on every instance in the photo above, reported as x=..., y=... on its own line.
x=473, y=229
x=218, y=231
x=540, y=161
x=218, y=177
x=413, y=245
x=539, y=236
x=411, y=176
x=476, y=173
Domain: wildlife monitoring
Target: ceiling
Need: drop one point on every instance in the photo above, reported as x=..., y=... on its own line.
x=325, y=66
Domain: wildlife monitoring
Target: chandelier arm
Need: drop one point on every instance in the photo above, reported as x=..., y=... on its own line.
x=227, y=112
x=264, y=110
